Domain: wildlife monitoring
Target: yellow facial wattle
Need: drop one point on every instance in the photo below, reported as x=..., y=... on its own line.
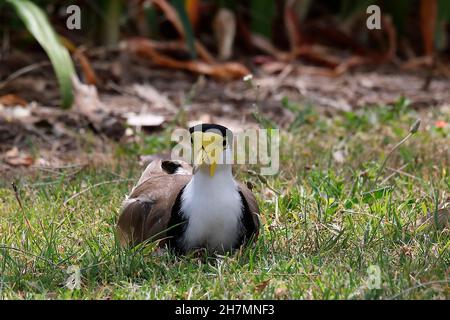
x=208, y=148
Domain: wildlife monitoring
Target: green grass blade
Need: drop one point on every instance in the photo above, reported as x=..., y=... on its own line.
x=39, y=26
x=111, y=23
x=179, y=6
x=262, y=15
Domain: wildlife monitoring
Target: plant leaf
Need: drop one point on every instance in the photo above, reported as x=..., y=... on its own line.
x=38, y=25
x=262, y=14
x=179, y=6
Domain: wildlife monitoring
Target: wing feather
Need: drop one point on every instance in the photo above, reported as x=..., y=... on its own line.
x=252, y=207
x=147, y=210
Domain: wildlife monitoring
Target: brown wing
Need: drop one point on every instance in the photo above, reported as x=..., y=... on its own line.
x=146, y=212
x=252, y=205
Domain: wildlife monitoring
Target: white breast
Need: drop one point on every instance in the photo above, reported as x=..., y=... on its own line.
x=213, y=208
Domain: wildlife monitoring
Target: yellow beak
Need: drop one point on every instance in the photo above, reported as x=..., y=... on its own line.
x=208, y=147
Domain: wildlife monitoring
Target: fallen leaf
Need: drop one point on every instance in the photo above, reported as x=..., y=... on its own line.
x=439, y=219
x=428, y=18
x=87, y=100
x=16, y=112
x=14, y=152
x=292, y=24
x=224, y=71
x=273, y=67
x=12, y=100
x=16, y=158
x=172, y=15
x=51, y=295
x=154, y=97
x=88, y=104
x=407, y=250
x=263, y=44
x=261, y=286
x=391, y=34
x=78, y=53
x=193, y=11
x=144, y=120
x=88, y=71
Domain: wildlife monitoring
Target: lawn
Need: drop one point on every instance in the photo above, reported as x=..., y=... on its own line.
x=337, y=223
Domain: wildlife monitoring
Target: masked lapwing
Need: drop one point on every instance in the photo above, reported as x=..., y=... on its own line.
x=187, y=208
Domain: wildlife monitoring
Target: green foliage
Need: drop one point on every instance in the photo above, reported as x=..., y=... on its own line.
x=443, y=20
x=262, y=15
x=444, y=10
x=111, y=23
x=147, y=145
x=399, y=10
x=179, y=5
x=38, y=25
x=323, y=229
x=229, y=4
x=303, y=114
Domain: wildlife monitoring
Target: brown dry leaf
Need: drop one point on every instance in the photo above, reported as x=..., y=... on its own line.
x=391, y=31
x=266, y=46
x=193, y=11
x=16, y=158
x=170, y=45
x=172, y=16
x=88, y=104
x=292, y=24
x=224, y=25
x=87, y=101
x=154, y=97
x=88, y=71
x=51, y=295
x=323, y=56
x=225, y=71
x=272, y=67
x=261, y=286
x=12, y=100
x=407, y=250
x=318, y=54
x=339, y=37
x=428, y=17
x=442, y=221
x=78, y=54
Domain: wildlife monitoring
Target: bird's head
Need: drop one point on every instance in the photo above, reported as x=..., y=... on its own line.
x=211, y=145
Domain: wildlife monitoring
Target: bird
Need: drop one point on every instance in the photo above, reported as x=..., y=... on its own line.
x=187, y=208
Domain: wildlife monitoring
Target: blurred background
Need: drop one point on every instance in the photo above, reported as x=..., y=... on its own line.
x=148, y=65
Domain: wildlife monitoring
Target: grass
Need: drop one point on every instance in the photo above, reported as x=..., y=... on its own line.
x=328, y=229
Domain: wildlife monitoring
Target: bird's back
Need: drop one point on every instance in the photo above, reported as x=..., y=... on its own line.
x=147, y=210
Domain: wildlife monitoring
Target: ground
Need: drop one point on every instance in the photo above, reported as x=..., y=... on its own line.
x=337, y=224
